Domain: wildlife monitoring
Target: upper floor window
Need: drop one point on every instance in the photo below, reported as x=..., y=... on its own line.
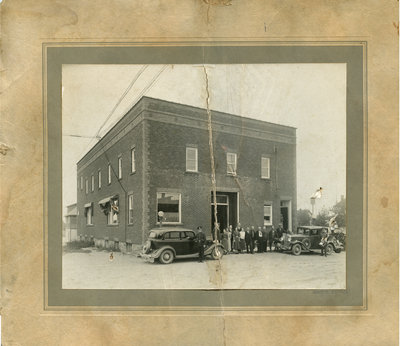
x=99, y=179
x=86, y=186
x=191, y=159
x=267, y=214
x=92, y=183
x=120, y=168
x=109, y=174
x=169, y=206
x=265, y=167
x=133, y=161
x=81, y=183
x=231, y=163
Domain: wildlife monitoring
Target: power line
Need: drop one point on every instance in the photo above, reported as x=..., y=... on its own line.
x=147, y=88
x=135, y=78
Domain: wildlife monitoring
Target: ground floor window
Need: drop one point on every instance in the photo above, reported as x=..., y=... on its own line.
x=89, y=213
x=267, y=214
x=130, y=209
x=113, y=212
x=169, y=206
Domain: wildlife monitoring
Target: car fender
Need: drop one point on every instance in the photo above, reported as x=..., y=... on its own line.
x=209, y=249
x=297, y=242
x=158, y=252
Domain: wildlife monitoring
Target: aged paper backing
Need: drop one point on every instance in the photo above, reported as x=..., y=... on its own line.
x=27, y=25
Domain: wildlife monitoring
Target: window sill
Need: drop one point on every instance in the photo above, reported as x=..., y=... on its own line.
x=191, y=172
x=113, y=225
x=132, y=173
x=91, y=225
x=170, y=223
x=264, y=178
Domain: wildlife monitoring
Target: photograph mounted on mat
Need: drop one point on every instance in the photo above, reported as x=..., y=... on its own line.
x=211, y=170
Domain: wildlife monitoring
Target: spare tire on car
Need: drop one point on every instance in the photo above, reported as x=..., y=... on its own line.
x=146, y=247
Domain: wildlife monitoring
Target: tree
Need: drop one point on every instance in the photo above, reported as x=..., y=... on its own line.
x=303, y=217
x=340, y=209
x=322, y=218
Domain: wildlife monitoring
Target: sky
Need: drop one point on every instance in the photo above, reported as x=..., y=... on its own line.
x=310, y=97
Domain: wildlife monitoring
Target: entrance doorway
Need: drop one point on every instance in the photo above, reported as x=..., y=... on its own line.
x=226, y=210
x=286, y=215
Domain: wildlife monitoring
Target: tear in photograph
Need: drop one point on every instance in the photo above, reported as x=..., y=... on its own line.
x=204, y=176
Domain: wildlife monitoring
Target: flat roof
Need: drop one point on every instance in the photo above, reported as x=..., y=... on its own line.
x=191, y=113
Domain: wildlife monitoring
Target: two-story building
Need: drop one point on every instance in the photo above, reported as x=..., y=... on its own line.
x=157, y=159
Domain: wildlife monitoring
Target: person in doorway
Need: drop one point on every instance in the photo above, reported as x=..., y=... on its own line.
x=226, y=240
x=230, y=229
x=201, y=238
x=236, y=240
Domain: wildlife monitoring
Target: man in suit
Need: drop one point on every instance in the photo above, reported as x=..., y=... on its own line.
x=271, y=237
x=253, y=239
x=201, y=238
x=248, y=239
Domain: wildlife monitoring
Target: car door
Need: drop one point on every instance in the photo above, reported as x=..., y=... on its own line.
x=192, y=245
x=314, y=238
x=173, y=239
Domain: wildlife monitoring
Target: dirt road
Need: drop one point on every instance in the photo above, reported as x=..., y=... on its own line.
x=92, y=268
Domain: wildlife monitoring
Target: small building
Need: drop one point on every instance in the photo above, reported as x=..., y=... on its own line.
x=70, y=232
x=157, y=159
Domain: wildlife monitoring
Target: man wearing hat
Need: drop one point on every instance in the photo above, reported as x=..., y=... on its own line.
x=201, y=238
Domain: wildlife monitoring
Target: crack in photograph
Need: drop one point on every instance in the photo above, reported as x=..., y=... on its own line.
x=225, y=176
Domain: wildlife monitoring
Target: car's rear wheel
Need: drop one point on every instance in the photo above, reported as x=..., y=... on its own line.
x=329, y=249
x=217, y=253
x=296, y=249
x=167, y=256
x=338, y=250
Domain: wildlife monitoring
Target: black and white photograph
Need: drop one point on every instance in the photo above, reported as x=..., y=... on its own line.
x=225, y=176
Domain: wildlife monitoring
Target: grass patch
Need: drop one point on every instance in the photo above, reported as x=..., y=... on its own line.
x=78, y=246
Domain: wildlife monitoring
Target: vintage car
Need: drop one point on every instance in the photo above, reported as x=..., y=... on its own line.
x=167, y=244
x=308, y=238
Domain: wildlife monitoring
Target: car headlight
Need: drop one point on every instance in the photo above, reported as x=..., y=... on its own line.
x=281, y=238
x=289, y=238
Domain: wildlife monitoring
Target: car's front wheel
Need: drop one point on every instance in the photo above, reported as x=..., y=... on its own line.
x=296, y=249
x=217, y=253
x=166, y=257
x=329, y=249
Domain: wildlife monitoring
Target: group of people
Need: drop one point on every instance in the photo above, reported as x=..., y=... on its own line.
x=249, y=239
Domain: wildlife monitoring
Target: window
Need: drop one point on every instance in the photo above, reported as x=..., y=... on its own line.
x=170, y=205
x=87, y=186
x=172, y=235
x=265, y=168
x=191, y=159
x=120, y=168
x=133, y=162
x=89, y=213
x=267, y=214
x=109, y=173
x=231, y=163
x=81, y=183
x=113, y=212
x=92, y=183
x=99, y=179
x=130, y=209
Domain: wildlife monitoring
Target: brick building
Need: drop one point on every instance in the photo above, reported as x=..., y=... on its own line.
x=157, y=158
